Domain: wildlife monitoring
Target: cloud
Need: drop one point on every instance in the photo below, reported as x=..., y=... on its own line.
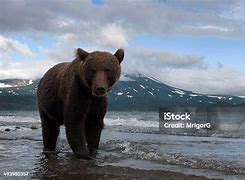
x=225, y=80
x=113, y=36
x=145, y=61
x=25, y=69
x=63, y=49
x=161, y=18
x=8, y=45
x=29, y=16
x=167, y=59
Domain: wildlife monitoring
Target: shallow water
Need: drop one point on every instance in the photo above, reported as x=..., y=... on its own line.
x=130, y=139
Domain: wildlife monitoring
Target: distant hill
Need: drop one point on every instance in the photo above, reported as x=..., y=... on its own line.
x=137, y=93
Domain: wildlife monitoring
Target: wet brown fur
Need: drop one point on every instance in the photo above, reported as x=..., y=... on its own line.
x=67, y=95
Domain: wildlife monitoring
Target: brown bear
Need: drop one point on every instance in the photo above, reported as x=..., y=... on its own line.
x=75, y=94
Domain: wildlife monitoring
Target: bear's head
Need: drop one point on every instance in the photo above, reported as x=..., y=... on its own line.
x=99, y=71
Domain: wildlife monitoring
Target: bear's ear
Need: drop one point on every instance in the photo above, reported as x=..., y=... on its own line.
x=81, y=54
x=119, y=55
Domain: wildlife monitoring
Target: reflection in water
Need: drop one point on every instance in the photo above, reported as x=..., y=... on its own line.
x=61, y=165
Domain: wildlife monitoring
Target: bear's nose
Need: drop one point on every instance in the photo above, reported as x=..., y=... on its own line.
x=100, y=90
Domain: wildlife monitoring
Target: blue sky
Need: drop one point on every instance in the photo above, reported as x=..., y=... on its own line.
x=194, y=45
x=97, y=2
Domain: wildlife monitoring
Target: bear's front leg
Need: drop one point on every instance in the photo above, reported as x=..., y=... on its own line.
x=93, y=133
x=75, y=131
x=95, y=124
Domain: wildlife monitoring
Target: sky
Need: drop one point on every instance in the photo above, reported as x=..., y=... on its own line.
x=188, y=44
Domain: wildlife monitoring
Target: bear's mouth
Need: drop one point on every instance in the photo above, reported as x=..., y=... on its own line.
x=99, y=95
x=100, y=91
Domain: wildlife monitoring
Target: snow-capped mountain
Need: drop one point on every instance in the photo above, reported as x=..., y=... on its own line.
x=14, y=82
x=18, y=87
x=149, y=93
x=135, y=93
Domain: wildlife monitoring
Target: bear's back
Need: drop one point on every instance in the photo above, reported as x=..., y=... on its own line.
x=53, y=77
x=49, y=85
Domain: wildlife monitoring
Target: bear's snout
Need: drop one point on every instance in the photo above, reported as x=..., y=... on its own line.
x=100, y=84
x=100, y=91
